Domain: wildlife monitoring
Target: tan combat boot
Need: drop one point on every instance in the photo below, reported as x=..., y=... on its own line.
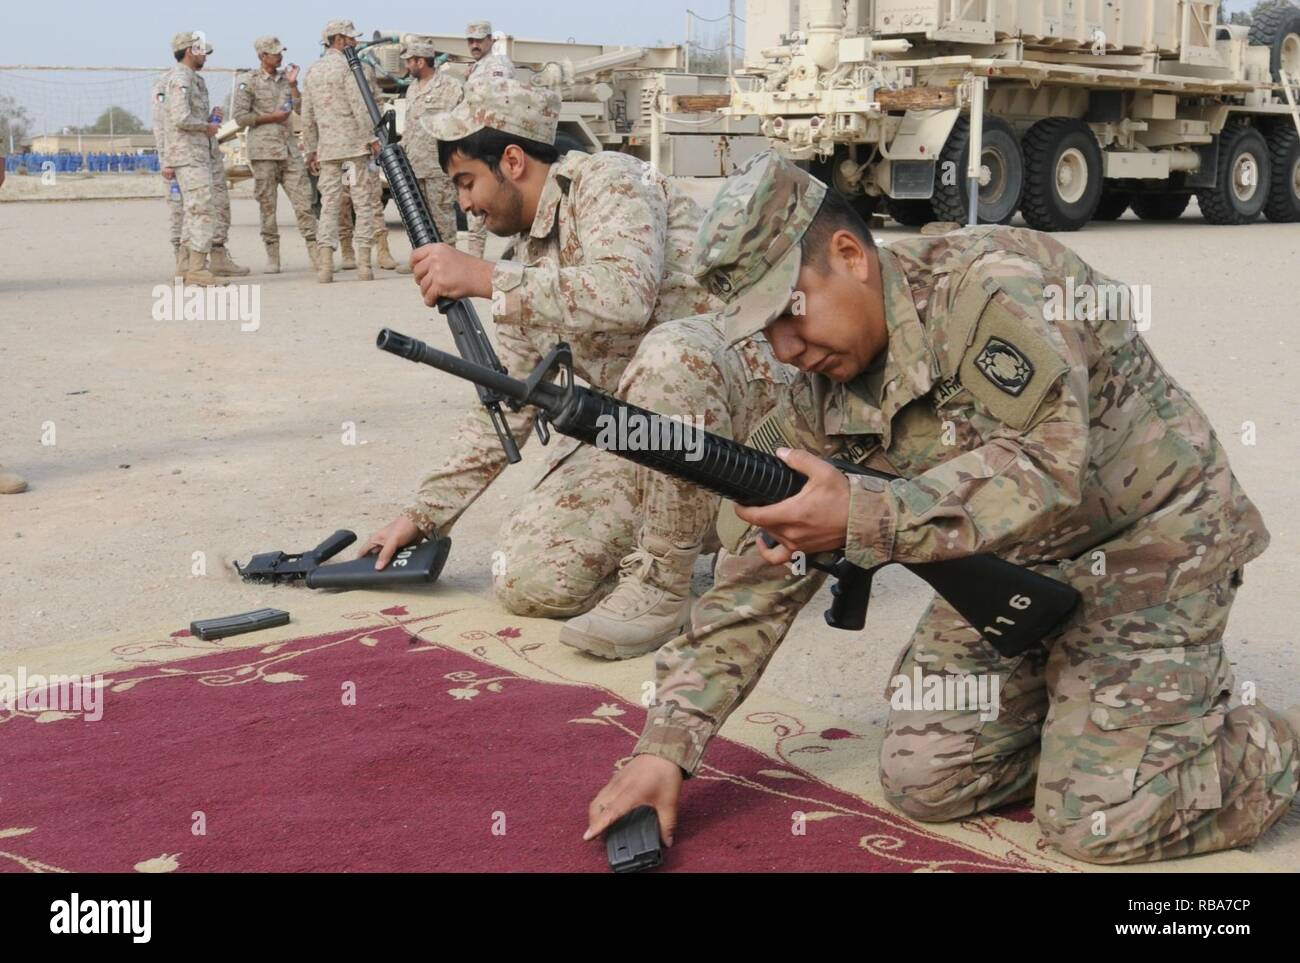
x=312, y=253
x=383, y=256
x=272, y=259
x=651, y=604
x=364, y=273
x=196, y=270
x=10, y=483
x=181, y=255
x=222, y=266
x=324, y=264
x=347, y=257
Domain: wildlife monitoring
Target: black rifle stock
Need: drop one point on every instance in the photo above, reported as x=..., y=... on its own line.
x=1013, y=608
x=466, y=329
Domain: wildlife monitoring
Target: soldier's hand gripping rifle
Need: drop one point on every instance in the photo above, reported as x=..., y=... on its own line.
x=1012, y=607
x=466, y=329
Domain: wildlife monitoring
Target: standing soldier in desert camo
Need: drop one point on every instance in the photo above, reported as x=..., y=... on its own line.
x=432, y=94
x=478, y=37
x=190, y=151
x=1060, y=445
x=340, y=141
x=265, y=101
x=175, y=205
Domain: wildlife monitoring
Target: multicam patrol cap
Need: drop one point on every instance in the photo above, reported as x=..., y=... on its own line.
x=418, y=45
x=747, y=251
x=478, y=30
x=191, y=38
x=503, y=104
x=336, y=27
x=269, y=45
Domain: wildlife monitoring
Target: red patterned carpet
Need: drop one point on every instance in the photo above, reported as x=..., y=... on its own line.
x=445, y=761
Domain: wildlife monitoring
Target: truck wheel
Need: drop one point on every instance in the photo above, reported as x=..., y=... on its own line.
x=1063, y=174
x=1242, y=180
x=910, y=213
x=1278, y=28
x=1160, y=207
x=1000, y=153
x=1112, y=205
x=823, y=168
x=1283, y=205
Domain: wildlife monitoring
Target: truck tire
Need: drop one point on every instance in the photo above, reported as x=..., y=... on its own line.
x=1242, y=180
x=910, y=213
x=1283, y=204
x=1000, y=197
x=1112, y=205
x=1278, y=28
x=1160, y=207
x=1063, y=175
x=823, y=168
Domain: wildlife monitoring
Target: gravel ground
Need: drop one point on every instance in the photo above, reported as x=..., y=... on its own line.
x=180, y=437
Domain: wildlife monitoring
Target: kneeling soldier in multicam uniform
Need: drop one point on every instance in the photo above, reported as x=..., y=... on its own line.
x=265, y=100
x=1053, y=444
x=600, y=262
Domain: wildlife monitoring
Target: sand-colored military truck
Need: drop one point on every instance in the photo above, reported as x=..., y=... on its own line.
x=1081, y=109
x=638, y=100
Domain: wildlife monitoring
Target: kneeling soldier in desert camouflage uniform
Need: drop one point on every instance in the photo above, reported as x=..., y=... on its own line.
x=604, y=244
x=1058, y=445
x=265, y=101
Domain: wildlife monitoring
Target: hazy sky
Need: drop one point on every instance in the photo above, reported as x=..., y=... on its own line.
x=136, y=34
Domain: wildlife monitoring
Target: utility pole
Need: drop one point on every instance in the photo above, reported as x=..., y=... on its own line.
x=731, y=38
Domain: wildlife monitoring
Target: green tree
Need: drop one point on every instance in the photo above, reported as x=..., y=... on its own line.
x=115, y=120
x=15, y=125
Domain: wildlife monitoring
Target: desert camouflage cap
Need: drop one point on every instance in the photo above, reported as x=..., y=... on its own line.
x=478, y=30
x=747, y=251
x=417, y=45
x=335, y=27
x=191, y=38
x=503, y=104
x=269, y=45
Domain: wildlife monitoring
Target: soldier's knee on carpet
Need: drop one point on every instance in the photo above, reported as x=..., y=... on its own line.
x=547, y=585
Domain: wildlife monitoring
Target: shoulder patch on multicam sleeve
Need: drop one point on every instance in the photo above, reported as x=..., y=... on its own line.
x=1008, y=366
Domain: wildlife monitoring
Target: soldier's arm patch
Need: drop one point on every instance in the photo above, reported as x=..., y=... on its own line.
x=1008, y=366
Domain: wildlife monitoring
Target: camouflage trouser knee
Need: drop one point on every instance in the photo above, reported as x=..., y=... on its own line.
x=347, y=218
x=1138, y=759
x=196, y=191
x=440, y=196
x=478, y=233
x=220, y=201
x=558, y=553
x=175, y=213
x=268, y=176
x=354, y=177
x=684, y=369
